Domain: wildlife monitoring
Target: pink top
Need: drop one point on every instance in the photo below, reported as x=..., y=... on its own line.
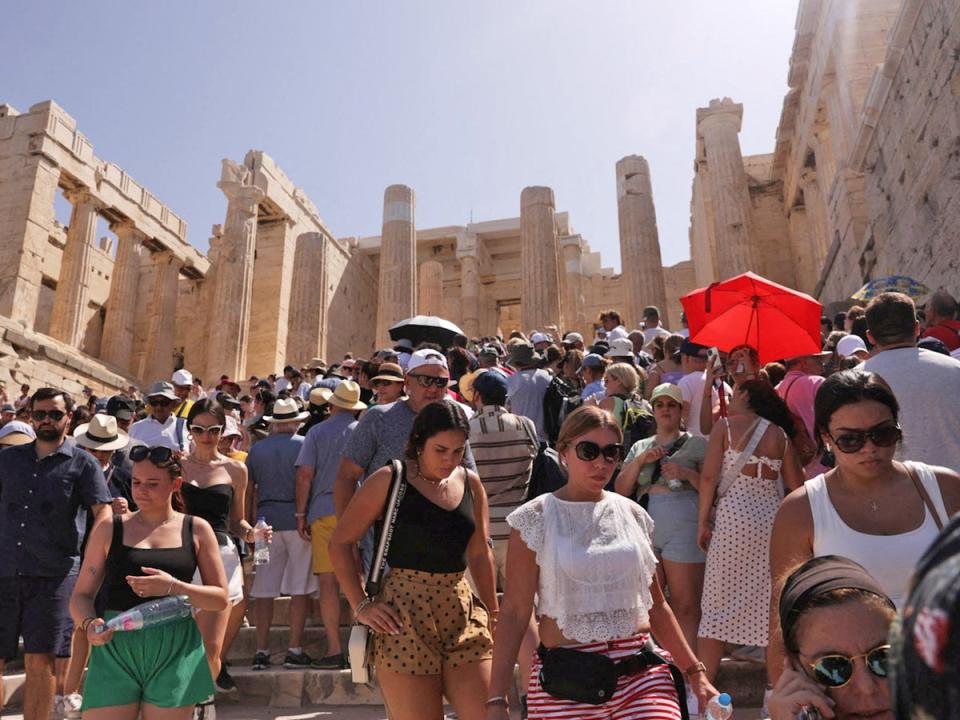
x=799, y=390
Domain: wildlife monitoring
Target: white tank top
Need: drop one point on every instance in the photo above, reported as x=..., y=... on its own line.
x=890, y=559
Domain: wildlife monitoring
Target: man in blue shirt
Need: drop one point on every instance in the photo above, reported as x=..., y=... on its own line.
x=316, y=517
x=272, y=469
x=46, y=488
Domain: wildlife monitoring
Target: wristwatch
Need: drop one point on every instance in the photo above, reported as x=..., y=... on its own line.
x=698, y=667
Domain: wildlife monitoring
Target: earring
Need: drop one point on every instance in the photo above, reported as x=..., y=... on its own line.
x=829, y=449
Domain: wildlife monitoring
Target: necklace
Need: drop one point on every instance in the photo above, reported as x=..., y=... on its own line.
x=434, y=483
x=873, y=502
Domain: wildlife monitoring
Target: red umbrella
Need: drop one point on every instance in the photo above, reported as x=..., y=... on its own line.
x=750, y=310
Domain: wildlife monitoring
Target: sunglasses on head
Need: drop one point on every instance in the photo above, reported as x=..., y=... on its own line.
x=835, y=671
x=851, y=441
x=158, y=455
x=205, y=429
x=590, y=451
x=159, y=401
x=428, y=380
x=41, y=415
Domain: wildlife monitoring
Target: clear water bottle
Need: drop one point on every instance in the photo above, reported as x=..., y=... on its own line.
x=261, y=551
x=149, y=614
x=719, y=708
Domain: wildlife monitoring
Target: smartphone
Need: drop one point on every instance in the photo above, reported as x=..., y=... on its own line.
x=713, y=358
x=808, y=712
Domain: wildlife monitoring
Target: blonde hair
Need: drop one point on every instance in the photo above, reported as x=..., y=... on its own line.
x=584, y=419
x=627, y=375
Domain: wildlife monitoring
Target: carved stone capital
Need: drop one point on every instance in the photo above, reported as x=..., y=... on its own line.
x=82, y=196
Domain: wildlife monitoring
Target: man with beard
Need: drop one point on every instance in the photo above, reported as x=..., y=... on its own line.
x=46, y=489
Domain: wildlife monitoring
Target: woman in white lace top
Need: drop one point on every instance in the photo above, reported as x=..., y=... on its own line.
x=587, y=556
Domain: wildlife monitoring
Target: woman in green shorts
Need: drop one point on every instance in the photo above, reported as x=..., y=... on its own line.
x=160, y=671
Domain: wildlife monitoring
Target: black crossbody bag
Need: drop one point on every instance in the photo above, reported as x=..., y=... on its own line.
x=591, y=678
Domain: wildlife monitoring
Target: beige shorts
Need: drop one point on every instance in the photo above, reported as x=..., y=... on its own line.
x=232, y=569
x=290, y=570
x=499, y=566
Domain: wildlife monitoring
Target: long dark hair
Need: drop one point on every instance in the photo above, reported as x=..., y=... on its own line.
x=435, y=418
x=848, y=387
x=765, y=402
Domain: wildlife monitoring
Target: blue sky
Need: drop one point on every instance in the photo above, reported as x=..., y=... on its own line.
x=465, y=102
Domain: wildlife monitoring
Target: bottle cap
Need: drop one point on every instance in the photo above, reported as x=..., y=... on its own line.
x=724, y=699
x=261, y=519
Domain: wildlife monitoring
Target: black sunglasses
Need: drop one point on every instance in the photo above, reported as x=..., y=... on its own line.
x=590, y=451
x=428, y=380
x=835, y=671
x=853, y=441
x=382, y=383
x=41, y=415
x=158, y=455
x=159, y=401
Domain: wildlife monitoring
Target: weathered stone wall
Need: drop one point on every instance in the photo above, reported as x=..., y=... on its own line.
x=680, y=280
x=351, y=301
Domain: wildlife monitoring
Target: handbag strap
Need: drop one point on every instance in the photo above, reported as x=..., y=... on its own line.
x=647, y=657
x=759, y=427
x=924, y=495
x=395, y=495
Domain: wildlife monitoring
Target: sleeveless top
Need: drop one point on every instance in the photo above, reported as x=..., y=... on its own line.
x=211, y=503
x=596, y=563
x=426, y=537
x=124, y=560
x=890, y=559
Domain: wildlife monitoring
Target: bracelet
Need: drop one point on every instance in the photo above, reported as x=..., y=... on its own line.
x=361, y=605
x=498, y=700
x=85, y=623
x=299, y=514
x=699, y=667
x=170, y=589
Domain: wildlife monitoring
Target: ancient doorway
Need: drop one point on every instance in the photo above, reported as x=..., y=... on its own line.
x=508, y=317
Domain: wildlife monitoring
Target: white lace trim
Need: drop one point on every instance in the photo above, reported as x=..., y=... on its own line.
x=596, y=563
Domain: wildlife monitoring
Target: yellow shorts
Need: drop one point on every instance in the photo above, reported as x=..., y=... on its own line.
x=321, y=530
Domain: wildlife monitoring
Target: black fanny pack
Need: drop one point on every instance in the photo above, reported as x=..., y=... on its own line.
x=591, y=678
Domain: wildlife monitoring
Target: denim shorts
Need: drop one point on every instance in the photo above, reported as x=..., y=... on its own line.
x=37, y=609
x=675, y=517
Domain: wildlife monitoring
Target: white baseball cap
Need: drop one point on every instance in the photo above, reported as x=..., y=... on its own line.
x=182, y=377
x=538, y=338
x=850, y=345
x=620, y=347
x=426, y=357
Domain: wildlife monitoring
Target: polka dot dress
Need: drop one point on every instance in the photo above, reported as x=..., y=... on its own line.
x=444, y=624
x=735, y=606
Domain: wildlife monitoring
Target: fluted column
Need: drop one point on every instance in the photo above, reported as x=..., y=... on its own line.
x=430, y=282
x=818, y=223
x=308, y=299
x=229, y=326
x=158, y=361
x=470, y=295
x=540, y=262
x=640, y=260
x=118, y=333
x=397, y=294
x=73, y=286
x=573, y=270
x=719, y=126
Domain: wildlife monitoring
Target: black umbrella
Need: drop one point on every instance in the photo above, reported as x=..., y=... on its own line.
x=425, y=328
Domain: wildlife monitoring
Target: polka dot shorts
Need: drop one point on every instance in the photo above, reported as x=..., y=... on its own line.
x=444, y=624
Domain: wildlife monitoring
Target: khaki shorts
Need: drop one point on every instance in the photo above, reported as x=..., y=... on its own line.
x=321, y=530
x=289, y=571
x=499, y=567
x=444, y=624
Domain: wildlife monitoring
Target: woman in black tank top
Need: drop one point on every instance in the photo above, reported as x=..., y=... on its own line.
x=147, y=554
x=432, y=635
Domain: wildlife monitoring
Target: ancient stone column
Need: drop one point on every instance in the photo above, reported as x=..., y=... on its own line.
x=719, y=126
x=573, y=304
x=539, y=260
x=158, y=361
x=308, y=299
x=229, y=315
x=117, y=343
x=470, y=295
x=640, y=261
x=817, y=219
x=68, y=315
x=397, y=296
x=430, y=282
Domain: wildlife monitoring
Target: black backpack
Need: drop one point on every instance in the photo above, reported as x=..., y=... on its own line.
x=557, y=404
x=547, y=474
x=637, y=423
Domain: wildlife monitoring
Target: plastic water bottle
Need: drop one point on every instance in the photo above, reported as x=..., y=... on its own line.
x=149, y=614
x=719, y=708
x=261, y=551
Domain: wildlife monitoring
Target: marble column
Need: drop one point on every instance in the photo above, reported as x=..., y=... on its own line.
x=430, y=282
x=397, y=293
x=470, y=295
x=68, y=316
x=118, y=332
x=719, y=126
x=229, y=315
x=158, y=361
x=540, y=260
x=308, y=299
x=819, y=225
x=640, y=261
x=573, y=305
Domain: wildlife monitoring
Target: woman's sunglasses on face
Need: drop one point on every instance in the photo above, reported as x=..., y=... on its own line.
x=851, y=441
x=590, y=451
x=54, y=415
x=385, y=383
x=205, y=429
x=835, y=671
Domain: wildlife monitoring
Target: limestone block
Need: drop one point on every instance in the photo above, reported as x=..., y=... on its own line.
x=287, y=689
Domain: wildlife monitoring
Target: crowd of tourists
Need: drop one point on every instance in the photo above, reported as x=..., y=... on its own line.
x=615, y=515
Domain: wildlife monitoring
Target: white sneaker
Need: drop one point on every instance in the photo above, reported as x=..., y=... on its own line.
x=205, y=710
x=56, y=712
x=70, y=706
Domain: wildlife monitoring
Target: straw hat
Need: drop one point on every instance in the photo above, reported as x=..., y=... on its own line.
x=100, y=433
x=389, y=371
x=346, y=396
x=286, y=410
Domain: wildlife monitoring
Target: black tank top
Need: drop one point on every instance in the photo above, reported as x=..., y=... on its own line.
x=427, y=537
x=211, y=503
x=123, y=560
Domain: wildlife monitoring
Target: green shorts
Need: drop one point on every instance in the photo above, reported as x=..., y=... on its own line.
x=164, y=666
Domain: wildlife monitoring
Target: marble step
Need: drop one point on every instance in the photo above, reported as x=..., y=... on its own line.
x=314, y=643
x=281, y=612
